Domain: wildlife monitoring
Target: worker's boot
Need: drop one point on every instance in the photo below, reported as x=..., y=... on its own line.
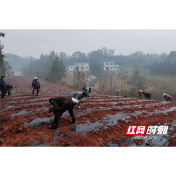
x=53, y=126
x=56, y=120
x=72, y=121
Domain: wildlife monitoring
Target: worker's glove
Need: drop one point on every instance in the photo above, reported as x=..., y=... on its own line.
x=75, y=101
x=52, y=109
x=80, y=103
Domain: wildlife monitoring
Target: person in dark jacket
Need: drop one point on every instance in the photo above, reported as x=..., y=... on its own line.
x=2, y=86
x=78, y=95
x=146, y=95
x=60, y=105
x=35, y=85
x=8, y=89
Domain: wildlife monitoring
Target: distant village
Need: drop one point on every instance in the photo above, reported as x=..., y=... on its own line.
x=92, y=80
x=85, y=66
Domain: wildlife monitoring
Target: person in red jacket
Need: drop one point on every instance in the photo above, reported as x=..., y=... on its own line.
x=62, y=104
x=167, y=97
x=35, y=85
x=139, y=94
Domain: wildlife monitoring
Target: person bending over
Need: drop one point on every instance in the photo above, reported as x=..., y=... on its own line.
x=60, y=105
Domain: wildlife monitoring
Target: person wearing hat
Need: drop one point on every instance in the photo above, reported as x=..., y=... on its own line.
x=146, y=95
x=60, y=105
x=78, y=95
x=35, y=85
x=139, y=94
x=167, y=97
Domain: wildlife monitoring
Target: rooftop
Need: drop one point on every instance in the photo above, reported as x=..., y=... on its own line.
x=91, y=78
x=108, y=62
x=81, y=64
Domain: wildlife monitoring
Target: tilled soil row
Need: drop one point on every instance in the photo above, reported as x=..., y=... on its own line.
x=102, y=121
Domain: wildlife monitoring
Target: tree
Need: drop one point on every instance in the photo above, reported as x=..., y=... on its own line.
x=61, y=71
x=79, y=57
x=96, y=61
x=2, y=68
x=172, y=54
x=52, y=54
x=167, y=64
x=65, y=59
x=54, y=75
x=58, y=71
x=4, y=65
x=137, y=80
x=7, y=66
x=42, y=56
x=78, y=78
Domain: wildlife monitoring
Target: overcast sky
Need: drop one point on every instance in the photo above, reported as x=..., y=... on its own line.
x=34, y=42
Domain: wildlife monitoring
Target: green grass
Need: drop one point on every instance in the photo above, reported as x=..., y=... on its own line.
x=161, y=77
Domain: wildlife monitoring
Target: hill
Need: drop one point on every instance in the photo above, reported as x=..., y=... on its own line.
x=17, y=61
x=102, y=120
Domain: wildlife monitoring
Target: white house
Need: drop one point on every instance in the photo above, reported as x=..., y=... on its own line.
x=71, y=67
x=110, y=66
x=81, y=66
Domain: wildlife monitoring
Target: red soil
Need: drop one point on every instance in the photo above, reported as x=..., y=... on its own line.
x=13, y=132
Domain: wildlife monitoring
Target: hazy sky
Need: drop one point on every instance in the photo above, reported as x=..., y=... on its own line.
x=34, y=42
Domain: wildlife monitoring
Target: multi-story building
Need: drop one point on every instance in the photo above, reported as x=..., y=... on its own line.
x=110, y=65
x=71, y=67
x=81, y=66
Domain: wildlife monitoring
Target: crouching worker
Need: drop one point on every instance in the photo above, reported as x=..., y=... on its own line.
x=62, y=104
x=8, y=89
x=167, y=97
x=147, y=95
x=2, y=86
x=78, y=95
x=87, y=89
